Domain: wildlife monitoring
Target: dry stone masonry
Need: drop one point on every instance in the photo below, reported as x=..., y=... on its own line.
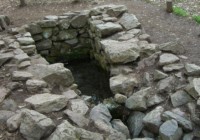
x=155, y=88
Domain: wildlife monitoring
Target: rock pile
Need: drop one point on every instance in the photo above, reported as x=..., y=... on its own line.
x=156, y=87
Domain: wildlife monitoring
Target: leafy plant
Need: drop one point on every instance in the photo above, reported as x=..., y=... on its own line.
x=180, y=11
x=196, y=18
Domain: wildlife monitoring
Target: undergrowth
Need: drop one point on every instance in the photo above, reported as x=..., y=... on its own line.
x=196, y=18
x=180, y=11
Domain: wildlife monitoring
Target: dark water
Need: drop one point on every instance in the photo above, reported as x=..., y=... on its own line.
x=91, y=79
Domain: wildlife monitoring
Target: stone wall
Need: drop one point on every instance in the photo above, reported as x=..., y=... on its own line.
x=98, y=33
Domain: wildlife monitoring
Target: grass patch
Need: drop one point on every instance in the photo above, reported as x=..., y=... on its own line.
x=196, y=18
x=180, y=11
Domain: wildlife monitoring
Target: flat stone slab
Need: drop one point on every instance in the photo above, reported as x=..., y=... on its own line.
x=120, y=52
x=4, y=57
x=107, y=29
x=167, y=58
x=21, y=57
x=29, y=49
x=26, y=40
x=46, y=103
x=54, y=74
x=192, y=69
x=21, y=76
x=35, y=85
x=173, y=67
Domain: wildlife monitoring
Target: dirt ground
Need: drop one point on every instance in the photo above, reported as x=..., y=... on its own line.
x=162, y=27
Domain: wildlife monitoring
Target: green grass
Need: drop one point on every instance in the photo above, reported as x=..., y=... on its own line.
x=196, y=18
x=180, y=11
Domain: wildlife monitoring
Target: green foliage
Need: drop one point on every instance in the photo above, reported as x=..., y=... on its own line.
x=196, y=18
x=180, y=11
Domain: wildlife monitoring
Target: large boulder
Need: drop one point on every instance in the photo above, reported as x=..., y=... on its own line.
x=152, y=120
x=193, y=88
x=121, y=127
x=170, y=130
x=123, y=84
x=180, y=98
x=77, y=118
x=167, y=58
x=46, y=103
x=35, y=126
x=129, y=21
x=192, y=69
x=154, y=100
x=4, y=116
x=100, y=112
x=120, y=52
x=138, y=100
x=13, y=123
x=116, y=10
x=79, y=106
x=184, y=123
x=65, y=131
x=135, y=123
x=174, y=47
x=55, y=74
x=166, y=85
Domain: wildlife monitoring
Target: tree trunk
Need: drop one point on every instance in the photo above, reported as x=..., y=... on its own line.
x=169, y=6
x=22, y=3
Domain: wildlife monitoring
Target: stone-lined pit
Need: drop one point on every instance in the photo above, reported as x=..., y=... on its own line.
x=156, y=91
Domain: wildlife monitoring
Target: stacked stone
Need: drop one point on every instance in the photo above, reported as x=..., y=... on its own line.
x=165, y=106
x=100, y=31
x=59, y=35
